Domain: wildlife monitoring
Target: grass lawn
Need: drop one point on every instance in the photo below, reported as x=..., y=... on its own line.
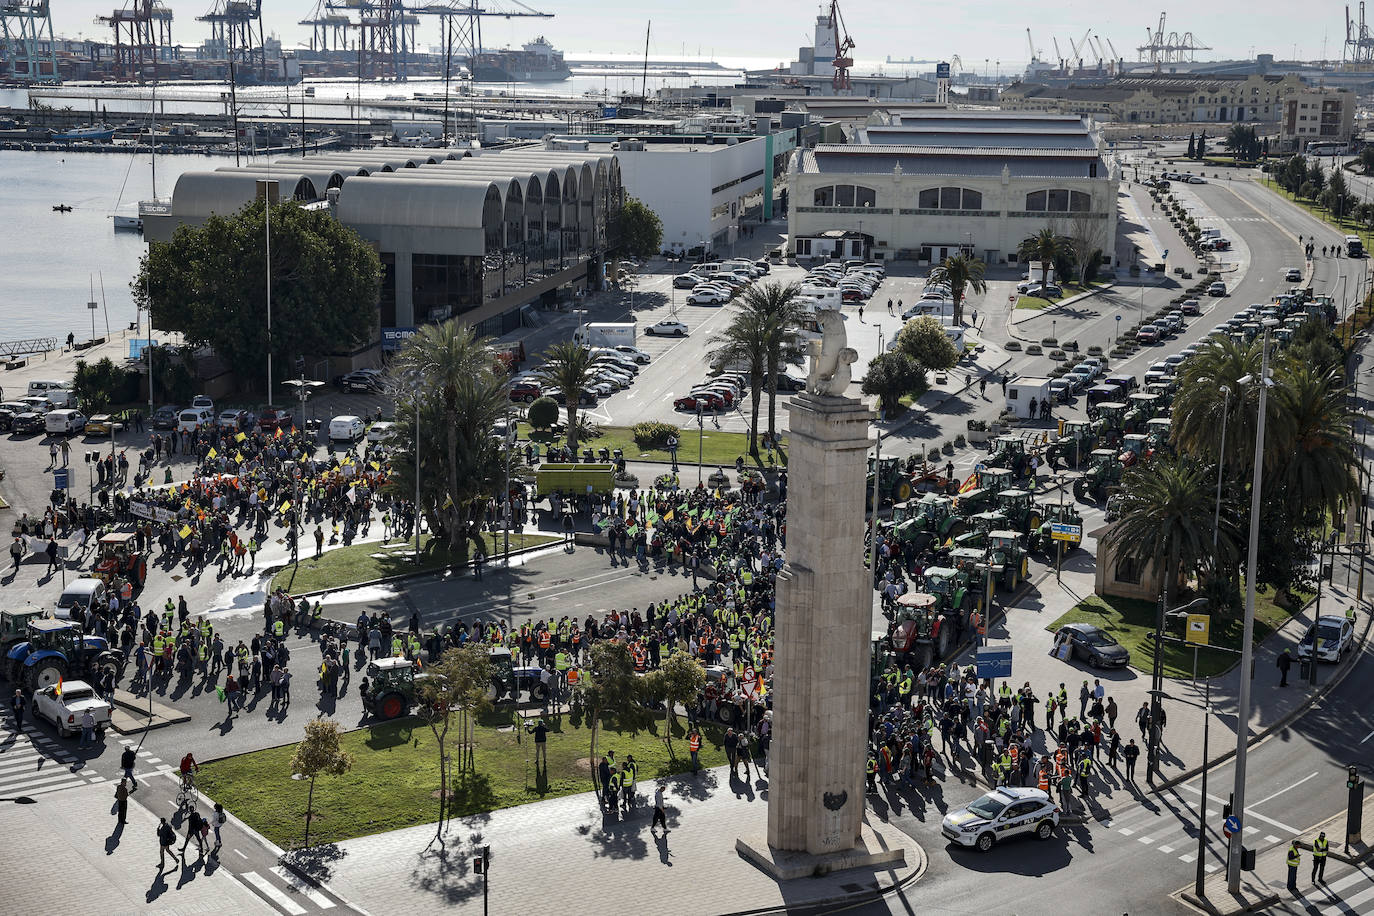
x=1128, y=620
x=1347, y=226
x=717, y=447
x=365, y=562
x=394, y=781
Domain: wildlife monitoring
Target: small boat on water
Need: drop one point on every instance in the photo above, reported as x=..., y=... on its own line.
x=61, y=208
x=97, y=133
x=126, y=223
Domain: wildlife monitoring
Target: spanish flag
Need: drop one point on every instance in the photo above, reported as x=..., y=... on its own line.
x=58, y=689
x=278, y=434
x=969, y=484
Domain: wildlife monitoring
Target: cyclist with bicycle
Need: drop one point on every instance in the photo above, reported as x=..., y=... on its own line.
x=188, y=770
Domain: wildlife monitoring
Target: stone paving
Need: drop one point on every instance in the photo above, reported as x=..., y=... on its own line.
x=560, y=850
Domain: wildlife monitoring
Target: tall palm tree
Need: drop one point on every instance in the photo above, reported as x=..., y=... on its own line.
x=1311, y=443
x=1044, y=246
x=1201, y=403
x=450, y=370
x=568, y=366
x=745, y=342
x=962, y=272
x=781, y=313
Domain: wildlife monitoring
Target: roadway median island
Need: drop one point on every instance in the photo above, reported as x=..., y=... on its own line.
x=1130, y=621
x=394, y=780
x=718, y=448
x=345, y=566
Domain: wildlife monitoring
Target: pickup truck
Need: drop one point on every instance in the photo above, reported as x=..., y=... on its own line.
x=65, y=710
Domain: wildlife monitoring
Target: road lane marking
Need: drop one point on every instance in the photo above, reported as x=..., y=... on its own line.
x=271, y=893
x=1166, y=849
x=1283, y=790
x=1255, y=814
x=1367, y=737
x=296, y=884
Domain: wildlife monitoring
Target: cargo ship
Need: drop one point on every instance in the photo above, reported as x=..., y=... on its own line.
x=535, y=62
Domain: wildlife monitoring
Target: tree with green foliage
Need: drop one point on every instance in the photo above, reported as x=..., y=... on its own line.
x=98, y=385
x=173, y=381
x=637, y=230
x=319, y=753
x=676, y=682
x=1367, y=160
x=210, y=283
x=461, y=394
x=780, y=314
x=1192, y=146
x=455, y=683
x=962, y=272
x=1316, y=177
x=746, y=342
x=1243, y=142
x=1201, y=145
x=542, y=413
x=1208, y=390
x=611, y=691
x=891, y=376
x=1310, y=450
x=1045, y=246
x=568, y=367
x=924, y=340
x=1336, y=197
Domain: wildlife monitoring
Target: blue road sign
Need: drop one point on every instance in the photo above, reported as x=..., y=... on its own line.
x=59, y=479
x=994, y=661
x=1232, y=825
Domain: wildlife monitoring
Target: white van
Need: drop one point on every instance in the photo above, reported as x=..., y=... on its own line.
x=827, y=297
x=85, y=593
x=193, y=418
x=345, y=429
x=57, y=392
x=64, y=422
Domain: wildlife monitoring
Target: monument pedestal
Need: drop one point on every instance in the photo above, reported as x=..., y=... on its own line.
x=878, y=844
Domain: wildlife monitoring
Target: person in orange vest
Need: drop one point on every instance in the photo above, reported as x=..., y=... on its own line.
x=545, y=641
x=694, y=746
x=1014, y=774
x=1043, y=782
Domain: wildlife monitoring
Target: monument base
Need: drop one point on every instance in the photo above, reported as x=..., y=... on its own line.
x=883, y=845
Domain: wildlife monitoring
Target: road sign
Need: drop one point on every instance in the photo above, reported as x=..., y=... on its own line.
x=59, y=479
x=1199, y=629
x=1062, y=532
x=1118, y=317
x=749, y=681
x=1231, y=826
x=1166, y=253
x=994, y=661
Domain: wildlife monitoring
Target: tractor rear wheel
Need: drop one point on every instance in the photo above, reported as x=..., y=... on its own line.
x=1033, y=521
x=392, y=706
x=44, y=674
x=1080, y=489
x=901, y=491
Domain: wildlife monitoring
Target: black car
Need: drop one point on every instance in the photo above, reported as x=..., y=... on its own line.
x=30, y=422
x=6, y=418
x=1093, y=645
x=790, y=383
x=165, y=417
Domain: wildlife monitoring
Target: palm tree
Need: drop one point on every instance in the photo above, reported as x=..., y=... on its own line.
x=1313, y=451
x=450, y=370
x=780, y=311
x=745, y=342
x=568, y=366
x=1200, y=403
x=1045, y=246
x=961, y=272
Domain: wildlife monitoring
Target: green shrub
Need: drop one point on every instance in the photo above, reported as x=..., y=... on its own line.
x=542, y=413
x=653, y=434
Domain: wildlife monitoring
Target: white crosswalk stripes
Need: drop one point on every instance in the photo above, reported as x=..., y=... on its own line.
x=1173, y=830
x=270, y=891
x=33, y=764
x=304, y=889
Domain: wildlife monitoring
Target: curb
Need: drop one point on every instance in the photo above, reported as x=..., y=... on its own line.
x=1206, y=906
x=1013, y=322
x=910, y=416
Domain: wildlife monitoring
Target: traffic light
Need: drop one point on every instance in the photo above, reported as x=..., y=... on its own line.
x=479, y=865
x=1352, y=777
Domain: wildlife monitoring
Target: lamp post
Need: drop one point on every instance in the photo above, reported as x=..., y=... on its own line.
x=877, y=483
x=701, y=434
x=1248, y=631
x=1221, y=455
x=1059, y=560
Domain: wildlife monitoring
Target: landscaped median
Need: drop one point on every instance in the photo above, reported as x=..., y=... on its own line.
x=718, y=448
x=347, y=566
x=394, y=780
x=1130, y=621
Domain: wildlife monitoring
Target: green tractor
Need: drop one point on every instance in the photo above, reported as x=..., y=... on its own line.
x=1135, y=449
x=978, y=528
x=1108, y=421
x=935, y=521
x=1159, y=431
x=1076, y=441
x=924, y=622
x=1008, y=452
x=390, y=690
x=1143, y=406
x=894, y=485
x=991, y=481
x=1019, y=509
x=1103, y=472
x=14, y=626
x=1009, y=559
x=1063, y=513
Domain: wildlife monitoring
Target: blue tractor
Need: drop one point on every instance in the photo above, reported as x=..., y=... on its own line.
x=57, y=649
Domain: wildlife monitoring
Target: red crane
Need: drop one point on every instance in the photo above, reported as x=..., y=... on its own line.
x=843, y=45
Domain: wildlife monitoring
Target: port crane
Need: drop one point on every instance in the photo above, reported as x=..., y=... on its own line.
x=843, y=45
x=26, y=43
x=140, y=28
x=1162, y=48
x=1359, y=44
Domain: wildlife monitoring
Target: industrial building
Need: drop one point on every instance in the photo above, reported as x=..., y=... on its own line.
x=460, y=233
x=1161, y=98
x=926, y=185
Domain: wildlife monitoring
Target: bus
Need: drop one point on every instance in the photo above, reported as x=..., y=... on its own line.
x=1354, y=247
x=1327, y=148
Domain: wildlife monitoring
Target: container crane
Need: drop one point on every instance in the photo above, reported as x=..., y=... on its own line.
x=843, y=45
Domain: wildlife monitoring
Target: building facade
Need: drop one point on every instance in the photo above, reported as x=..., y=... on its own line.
x=1317, y=115
x=933, y=184
x=1161, y=98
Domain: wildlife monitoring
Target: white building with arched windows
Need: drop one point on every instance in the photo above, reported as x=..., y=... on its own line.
x=928, y=184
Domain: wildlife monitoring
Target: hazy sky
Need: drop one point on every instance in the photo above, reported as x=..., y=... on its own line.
x=773, y=29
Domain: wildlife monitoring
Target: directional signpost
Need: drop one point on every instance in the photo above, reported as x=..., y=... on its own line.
x=1062, y=534
x=60, y=480
x=994, y=662
x=1231, y=826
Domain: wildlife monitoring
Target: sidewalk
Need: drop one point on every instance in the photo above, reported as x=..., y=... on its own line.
x=568, y=849
x=73, y=849
x=1181, y=753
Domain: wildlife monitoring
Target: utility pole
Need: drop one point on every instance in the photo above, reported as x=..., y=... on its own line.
x=877, y=485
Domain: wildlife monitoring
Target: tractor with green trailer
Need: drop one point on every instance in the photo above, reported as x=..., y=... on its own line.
x=1104, y=471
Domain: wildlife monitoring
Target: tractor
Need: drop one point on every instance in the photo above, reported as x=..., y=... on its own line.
x=119, y=559
x=1009, y=452
x=14, y=626
x=57, y=650
x=1143, y=407
x=979, y=526
x=1158, y=432
x=923, y=624
x=1108, y=421
x=1104, y=472
x=1019, y=509
x=1135, y=448
x=934, y=521
x=991, y=481
x=1076, y=440
x=1063, y=513
x=390, y=691
x=1008, y=558
x=894, y=486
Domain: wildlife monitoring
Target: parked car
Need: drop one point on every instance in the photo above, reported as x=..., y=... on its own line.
x=236, y=420
x=790, y=383
x=1093, y=645
x=685, y=281
x=65, y=709
x=203, y=401
x=103, y=424
x=1190, y=307
x=1331, y=634
x=1217, y=289
x=193, y=418
x=360, y=381
x=64, y=422
x=165, y=417
x=28, y=422
x=274, y=418
x=526, y=391
x=999, y=815
x=37, y=404
x=1060, y=391
x=634, y=353
x=347, y=428
x=381, y=431
x=1147, y=334
x=707, y=297
x=667, y=328
x=8, y=411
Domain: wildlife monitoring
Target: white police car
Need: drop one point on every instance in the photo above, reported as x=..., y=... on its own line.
x=1001, y=814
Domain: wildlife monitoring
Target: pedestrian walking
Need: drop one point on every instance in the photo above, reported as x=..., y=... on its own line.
x=166, y=838
x=196, y=828
x=1320, y=847
x=693, y=746
x=1294, y=860
x=87, y=729
x=1131, y=753
x=1285, y=662
x=17, y=707
x=731, y=753
x=861, y=312
x=127, y=759
x=217, y=820
x=17, y=552
x=661, y=814
x=541, y=743
x=1142, y=718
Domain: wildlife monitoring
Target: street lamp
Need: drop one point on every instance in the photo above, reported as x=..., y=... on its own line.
x=1248, y=632
x=1221, y=463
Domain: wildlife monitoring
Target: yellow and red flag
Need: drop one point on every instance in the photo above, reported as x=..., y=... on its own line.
x=969, y=484
x=58, y=689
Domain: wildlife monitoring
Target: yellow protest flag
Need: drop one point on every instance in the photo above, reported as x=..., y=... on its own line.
x=185, y=532
x=240, y=437
x=376, y=466
x=211, y=454
x=284, y=506
x=238, y=456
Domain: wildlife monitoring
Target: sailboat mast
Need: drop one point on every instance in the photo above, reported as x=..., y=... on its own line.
x=644, y=79
x=154, y=139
